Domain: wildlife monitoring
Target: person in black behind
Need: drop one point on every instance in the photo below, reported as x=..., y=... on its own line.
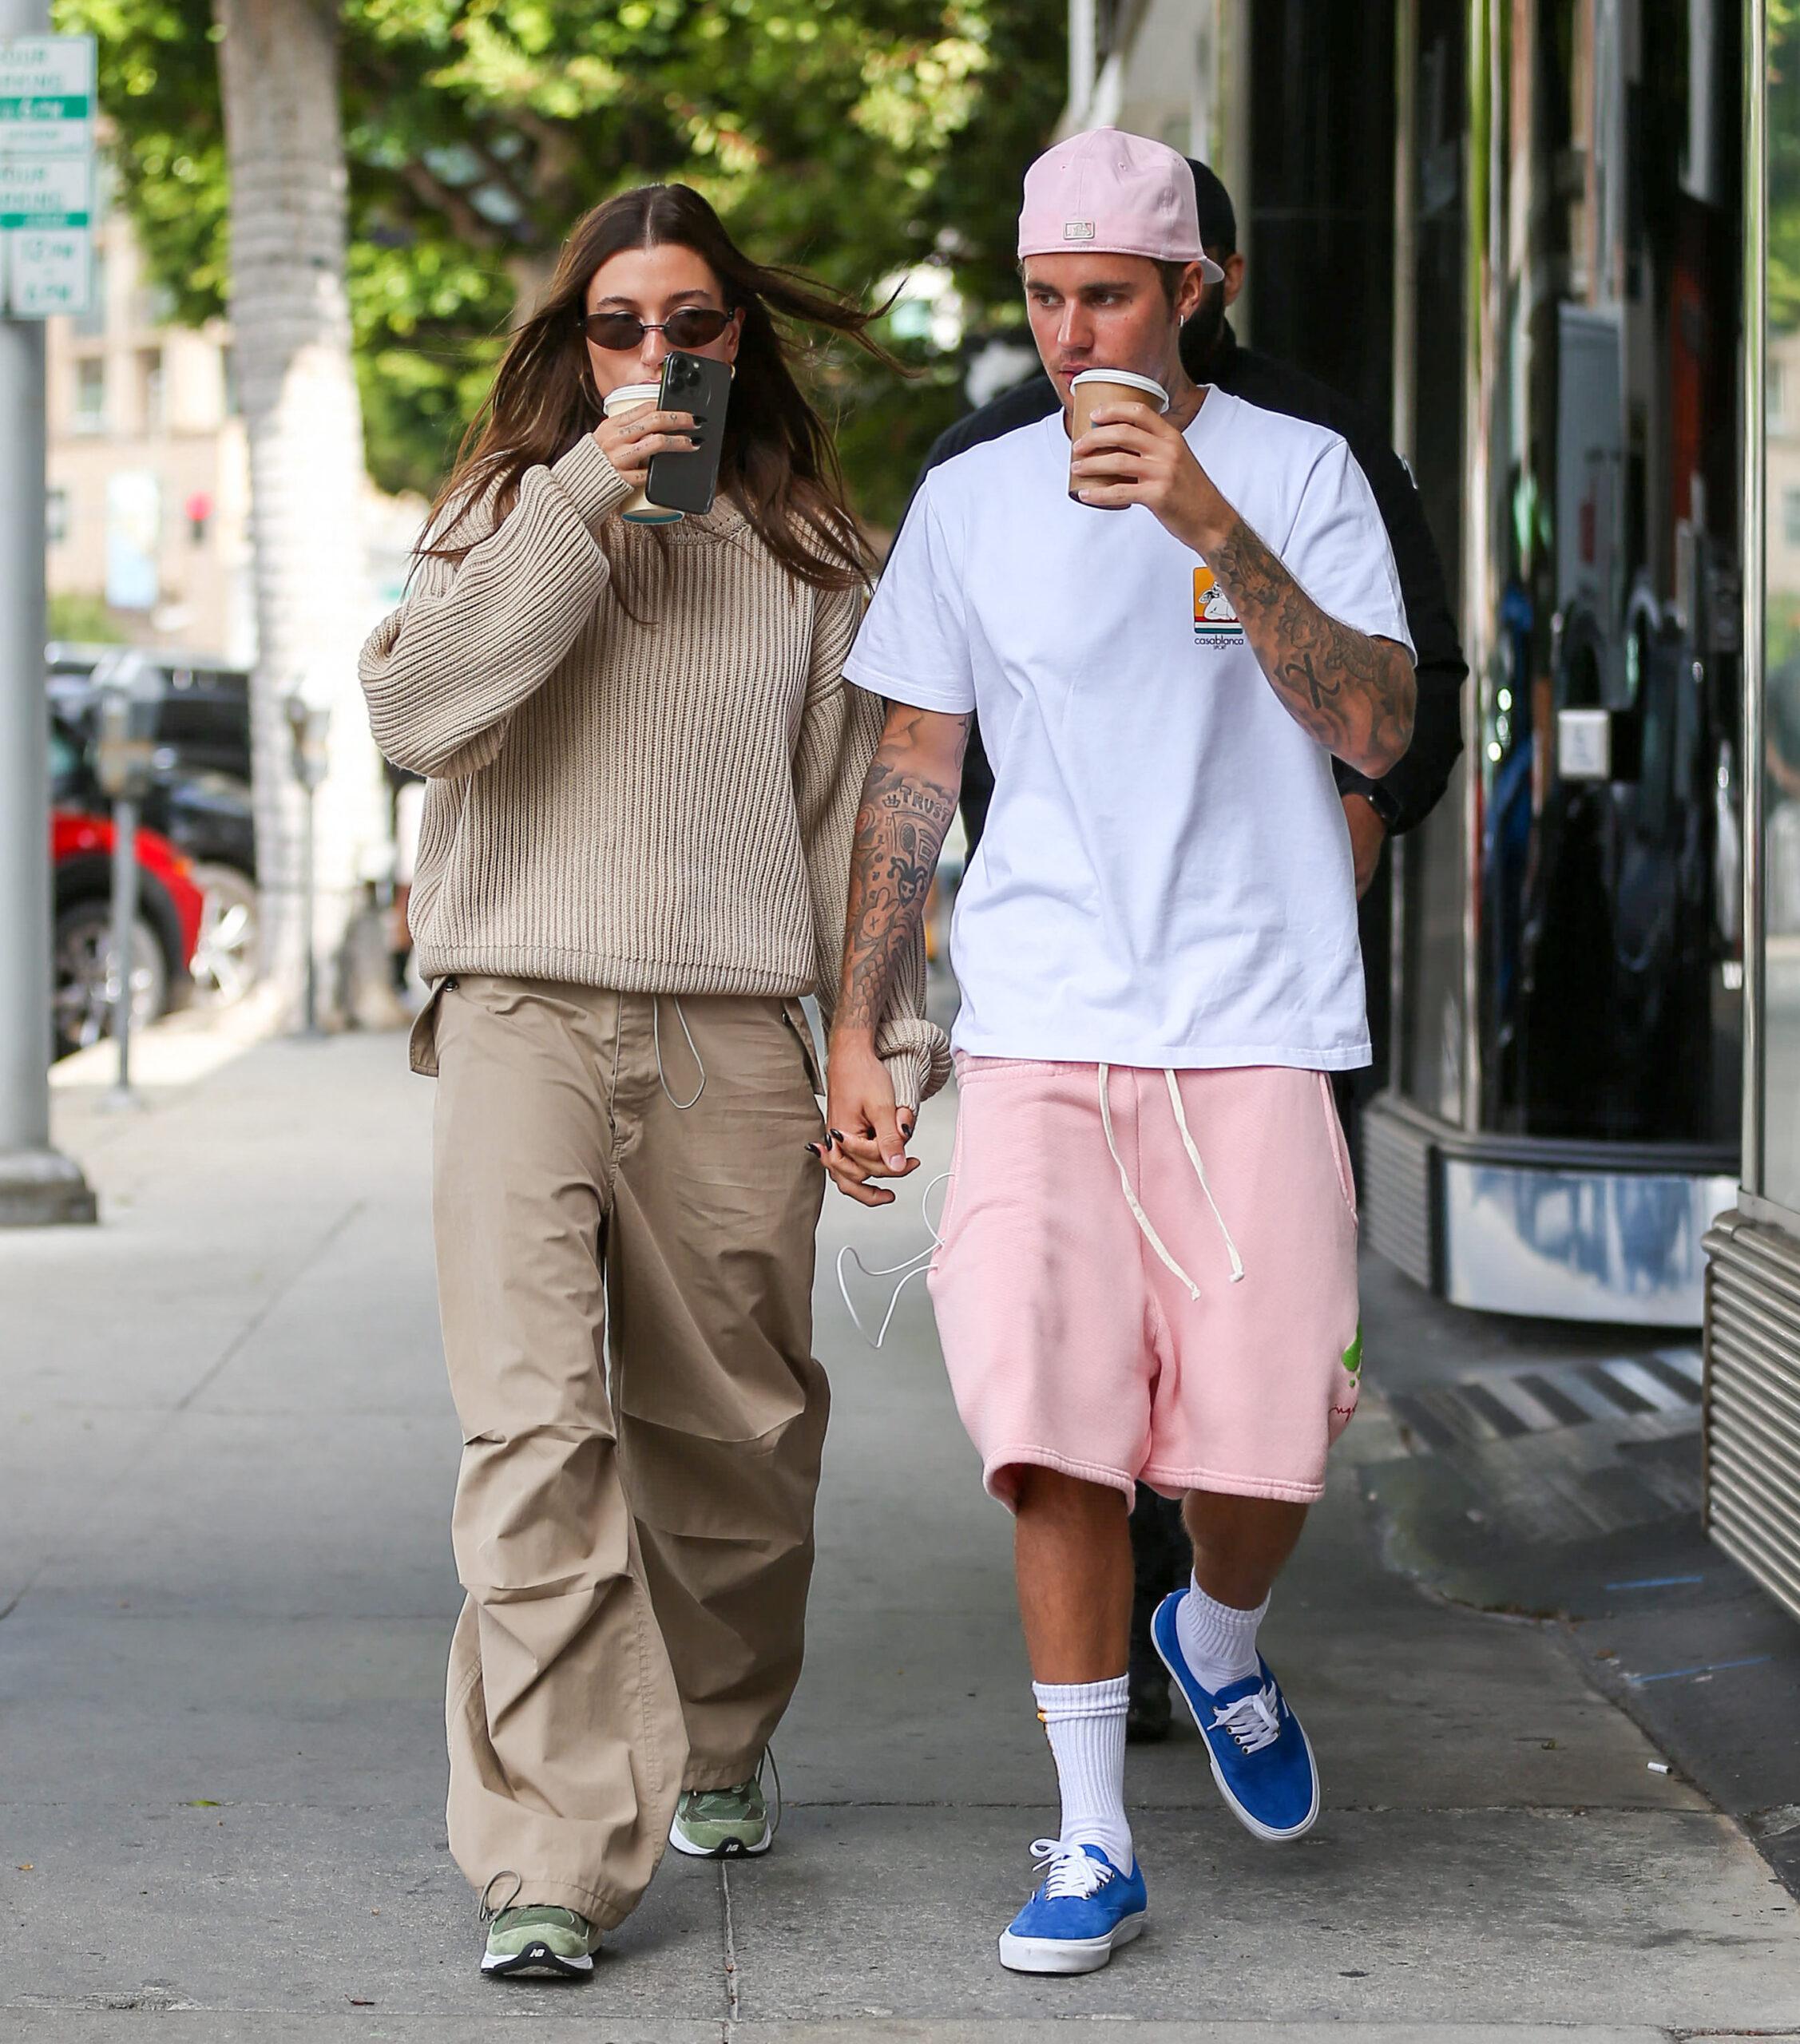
x=1374, y=810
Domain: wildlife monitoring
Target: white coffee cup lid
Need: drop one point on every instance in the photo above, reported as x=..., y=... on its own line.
x=631, y=393
x=1128, y=377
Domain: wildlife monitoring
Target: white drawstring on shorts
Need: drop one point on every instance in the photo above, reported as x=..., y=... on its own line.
x=1132, y=1200
x=914, y=1266
x=656, y=1031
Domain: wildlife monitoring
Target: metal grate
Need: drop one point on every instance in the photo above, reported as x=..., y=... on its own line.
x=1753, y=1401
x=1397, y=1205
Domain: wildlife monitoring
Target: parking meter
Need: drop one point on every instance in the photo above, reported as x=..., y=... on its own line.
x=309, y=726
x=129, y=689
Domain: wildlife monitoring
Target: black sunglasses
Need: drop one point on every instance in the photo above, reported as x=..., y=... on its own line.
x=692, y=327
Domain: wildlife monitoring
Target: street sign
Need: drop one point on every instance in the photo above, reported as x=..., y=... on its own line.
x=47, y=107
x=44, y=192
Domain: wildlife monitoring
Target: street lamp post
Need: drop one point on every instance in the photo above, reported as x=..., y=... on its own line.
x=37, y=1184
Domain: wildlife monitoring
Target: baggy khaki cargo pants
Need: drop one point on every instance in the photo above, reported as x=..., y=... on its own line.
x=636, y=1557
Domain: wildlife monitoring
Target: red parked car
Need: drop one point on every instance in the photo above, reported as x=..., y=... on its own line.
x=170, y=907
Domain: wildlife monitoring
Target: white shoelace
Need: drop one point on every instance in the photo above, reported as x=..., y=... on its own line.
x=1071, y=1871
x=914, y=1266
x=1253, y=1720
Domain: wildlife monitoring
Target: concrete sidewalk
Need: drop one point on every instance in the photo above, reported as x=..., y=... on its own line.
x=226, y=1591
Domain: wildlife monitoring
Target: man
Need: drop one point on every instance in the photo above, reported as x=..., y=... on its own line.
x=1211, y=353
x=1148, y=1269
x=1372, y=809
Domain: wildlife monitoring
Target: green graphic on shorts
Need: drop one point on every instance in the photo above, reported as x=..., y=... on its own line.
x=1352, y=1358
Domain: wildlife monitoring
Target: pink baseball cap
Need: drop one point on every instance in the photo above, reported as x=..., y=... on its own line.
x=1109, y=190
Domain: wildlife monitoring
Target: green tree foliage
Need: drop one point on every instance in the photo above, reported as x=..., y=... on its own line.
x=856, y=138
x=1782, y=114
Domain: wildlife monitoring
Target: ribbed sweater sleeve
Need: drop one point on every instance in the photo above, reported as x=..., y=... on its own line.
x=473, y=640
x=840, y=729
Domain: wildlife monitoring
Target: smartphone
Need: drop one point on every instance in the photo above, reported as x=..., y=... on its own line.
x=697, y=384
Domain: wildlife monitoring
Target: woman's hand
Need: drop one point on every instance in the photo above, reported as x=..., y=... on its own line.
x=628, y=443
x=866, y=1135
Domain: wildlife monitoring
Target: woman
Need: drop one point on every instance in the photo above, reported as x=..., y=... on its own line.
x=644, y=767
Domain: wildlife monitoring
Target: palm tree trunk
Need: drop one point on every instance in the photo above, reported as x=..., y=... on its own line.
x=278, y=69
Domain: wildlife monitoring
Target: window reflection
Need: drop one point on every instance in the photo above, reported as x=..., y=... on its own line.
x=1599, y=480
x=1781, y=710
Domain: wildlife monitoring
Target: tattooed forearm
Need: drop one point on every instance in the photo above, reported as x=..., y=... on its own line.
x=1354, y=694
x=909, y=800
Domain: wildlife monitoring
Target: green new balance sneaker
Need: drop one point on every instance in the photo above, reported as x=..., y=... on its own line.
x=721, y=1824
x=540, y=1939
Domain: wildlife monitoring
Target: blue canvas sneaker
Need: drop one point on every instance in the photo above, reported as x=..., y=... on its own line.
x=1261, y=1759
x=1084, y=1910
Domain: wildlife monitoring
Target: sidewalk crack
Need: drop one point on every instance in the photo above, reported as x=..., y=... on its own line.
x=240, y=1341
x=734, y=2005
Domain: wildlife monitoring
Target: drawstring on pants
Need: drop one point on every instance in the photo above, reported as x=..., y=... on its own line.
x=656, y=1031
x=1132, y=1200
x=914, y=1266
x=487, y=1908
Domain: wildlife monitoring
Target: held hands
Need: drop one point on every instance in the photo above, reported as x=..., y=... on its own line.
x=1130, y=455
x=630, y=441
x=866, y=1135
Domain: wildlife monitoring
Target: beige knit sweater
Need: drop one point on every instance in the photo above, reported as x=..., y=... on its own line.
x=662, y=807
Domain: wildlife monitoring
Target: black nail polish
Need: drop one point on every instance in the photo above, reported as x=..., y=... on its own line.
x=836, y=1134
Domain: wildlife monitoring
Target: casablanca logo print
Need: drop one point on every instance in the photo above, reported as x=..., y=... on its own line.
x=1215, y=623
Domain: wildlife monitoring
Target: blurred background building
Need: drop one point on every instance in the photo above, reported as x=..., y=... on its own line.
x=149, y=483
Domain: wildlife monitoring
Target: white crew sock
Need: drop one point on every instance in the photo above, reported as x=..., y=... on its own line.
x=1086, y=1725
x=1218, y=1641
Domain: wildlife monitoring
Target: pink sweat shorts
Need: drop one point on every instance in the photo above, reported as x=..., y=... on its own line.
x=1084, y=1284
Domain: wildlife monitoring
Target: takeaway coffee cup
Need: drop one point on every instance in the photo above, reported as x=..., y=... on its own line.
x=630, y=397
x=1095, y=387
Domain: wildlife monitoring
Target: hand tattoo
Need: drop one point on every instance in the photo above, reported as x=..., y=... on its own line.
x=1354, y=694
x=899, y=832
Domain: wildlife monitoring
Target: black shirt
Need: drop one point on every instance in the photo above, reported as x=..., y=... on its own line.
x=1411, y=789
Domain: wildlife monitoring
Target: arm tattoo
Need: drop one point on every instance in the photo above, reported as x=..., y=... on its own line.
x=899, y=832
x=1353, y=693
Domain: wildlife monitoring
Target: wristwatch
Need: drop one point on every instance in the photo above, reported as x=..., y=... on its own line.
x=1376, y=794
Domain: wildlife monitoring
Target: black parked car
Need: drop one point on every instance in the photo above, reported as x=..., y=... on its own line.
x=204, y=719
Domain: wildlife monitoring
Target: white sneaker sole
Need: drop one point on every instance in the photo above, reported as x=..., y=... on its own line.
x=548, y=1966
x=731, y=1850
x=1068, y=1954
x=1255, y=1825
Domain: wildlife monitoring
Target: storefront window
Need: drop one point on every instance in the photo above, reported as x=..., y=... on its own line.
x=1598, y=479
x=1430, y=1021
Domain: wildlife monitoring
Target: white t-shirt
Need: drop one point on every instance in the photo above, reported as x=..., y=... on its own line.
x=1165, y=879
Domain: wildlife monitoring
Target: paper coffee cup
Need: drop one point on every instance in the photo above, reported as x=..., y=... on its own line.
x=1095, y=387
x=630, y=397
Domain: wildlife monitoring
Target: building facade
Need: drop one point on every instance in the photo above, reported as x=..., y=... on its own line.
x=149, y=537
x=1753, y=1290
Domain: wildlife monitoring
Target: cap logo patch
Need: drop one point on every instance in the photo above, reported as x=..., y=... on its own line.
x=1078, y=230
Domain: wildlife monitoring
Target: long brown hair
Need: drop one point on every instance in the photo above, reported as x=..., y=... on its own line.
x=777, y=457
